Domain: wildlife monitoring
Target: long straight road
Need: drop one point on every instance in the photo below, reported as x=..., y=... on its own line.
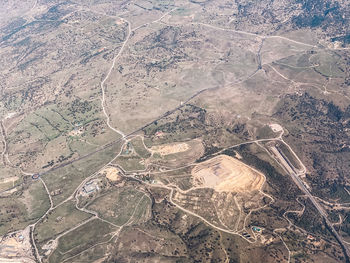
x=302, y=187
x=296, y=178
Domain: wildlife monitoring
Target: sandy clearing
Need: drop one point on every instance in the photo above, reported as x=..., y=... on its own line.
x=119, y=22
x=10, y=115
x=16, y=260
x=75, y=132
x=276, y=127
x=16, y=247
x=112, y=173
x=167, y=149
x=226, y=174
x=9, y=180
x=9, y=192
x=238, y=156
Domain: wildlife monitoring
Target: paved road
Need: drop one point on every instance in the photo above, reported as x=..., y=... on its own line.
x=296, y=178
x=302, y=187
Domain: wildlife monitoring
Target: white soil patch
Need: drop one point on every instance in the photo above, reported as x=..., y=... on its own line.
x=16, y=260
x=167, y=149
x=75, y=132
x=10, y=115
x=9, y=192
x=238, y=156
x=226, y=174
x=112, y=173
x=9, y=180
x=276, y=127
x=119, y=22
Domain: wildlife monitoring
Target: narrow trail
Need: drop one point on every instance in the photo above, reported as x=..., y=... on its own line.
x=284, y=243
x=115, y=234
x=130, y=31
x=255, y=35
x=74, y=195
x=171, y=188
x=291, y=66
x=4, y=148
x=147, y=124
x=32, y=226
x=198, y=216
x=240, y=213
x=245, y=143
x=322, y=88
x=124, y=136
x=296, y=179
x=48, y=192
x=103, y=99
x=4, y=154
x=36, y=251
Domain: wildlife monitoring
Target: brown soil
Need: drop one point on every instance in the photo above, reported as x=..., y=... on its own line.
x=224, y=173
x=112, y=173
x=167, y=149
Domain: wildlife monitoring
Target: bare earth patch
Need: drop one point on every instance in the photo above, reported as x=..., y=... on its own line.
x=226, y=174
x=75, y=132
x=112, y=173
x=6, y=181
x=276, y=127
x=167, y=149
x=9, y=180
x=16, y=248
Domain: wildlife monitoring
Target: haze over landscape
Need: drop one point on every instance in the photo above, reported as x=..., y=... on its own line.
x=174, y=131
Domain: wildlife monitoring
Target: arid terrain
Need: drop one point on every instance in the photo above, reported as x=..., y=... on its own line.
x=224, y=173
x=174, y=131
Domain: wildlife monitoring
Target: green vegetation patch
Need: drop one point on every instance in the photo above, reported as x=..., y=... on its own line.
x=122, y=206
x=57, y=221
x=130, y=163
x=265, y=132
x=63, y=181
x=330, y=64
x=140, y=148
x=82, y=238
x=23, y=207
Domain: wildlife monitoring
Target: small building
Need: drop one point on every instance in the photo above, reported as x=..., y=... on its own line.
x=256, y=229
x=89, y=188
x=310, y=237
x=159, y=134
x=56, y=192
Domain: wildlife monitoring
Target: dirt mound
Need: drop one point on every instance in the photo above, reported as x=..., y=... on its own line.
x=224, y=173
x=112, y=173
x=167, y=149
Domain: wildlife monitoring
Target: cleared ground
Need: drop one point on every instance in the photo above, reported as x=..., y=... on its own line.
x=111, y=173
x=16, y=245
x=224, y=173
x=123, y=205
x=170, y=148
x=177, y=154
